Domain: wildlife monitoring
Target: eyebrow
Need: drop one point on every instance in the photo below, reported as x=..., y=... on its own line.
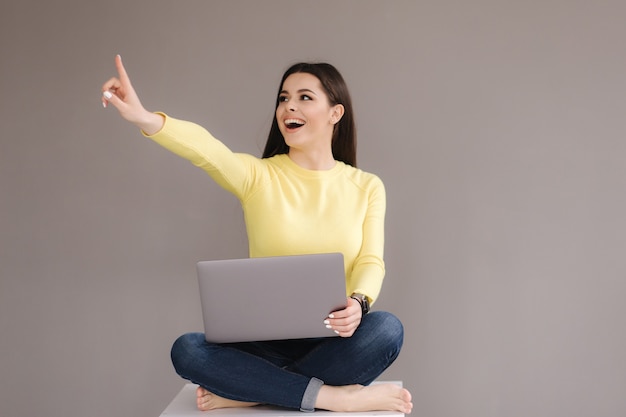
x=302, y=90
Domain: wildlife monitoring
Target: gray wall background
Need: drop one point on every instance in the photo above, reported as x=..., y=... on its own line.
x=497, y=126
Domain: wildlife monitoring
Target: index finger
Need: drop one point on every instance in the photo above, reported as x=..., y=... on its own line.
x=121, y=70
x=345, y=312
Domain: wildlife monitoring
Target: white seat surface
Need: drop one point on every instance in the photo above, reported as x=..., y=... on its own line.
x=184, y=405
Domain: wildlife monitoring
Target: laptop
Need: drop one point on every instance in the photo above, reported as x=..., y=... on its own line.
x=273, y=298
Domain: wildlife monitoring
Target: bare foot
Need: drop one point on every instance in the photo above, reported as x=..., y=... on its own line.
x=206, y=400
x=378, y=397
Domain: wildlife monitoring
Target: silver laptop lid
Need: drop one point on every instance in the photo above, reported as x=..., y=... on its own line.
x=274, y=298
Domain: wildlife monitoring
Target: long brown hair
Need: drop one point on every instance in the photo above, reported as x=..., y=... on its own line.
x=344, y=132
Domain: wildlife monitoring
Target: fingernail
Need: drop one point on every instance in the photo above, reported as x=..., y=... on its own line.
x=326, y=322
x=107, y=94
x=104, y=104
x=331, y=316
x=328, y=326
x=337, y=331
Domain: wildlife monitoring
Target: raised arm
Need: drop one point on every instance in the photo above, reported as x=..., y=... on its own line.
x=119, y=92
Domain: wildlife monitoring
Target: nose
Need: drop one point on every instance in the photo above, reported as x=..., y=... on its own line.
x=291, y=105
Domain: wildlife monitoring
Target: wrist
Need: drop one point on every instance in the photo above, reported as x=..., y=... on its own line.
x=150, y=123
x=363, y=301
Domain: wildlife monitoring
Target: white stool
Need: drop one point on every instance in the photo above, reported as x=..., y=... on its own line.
x=184, y=405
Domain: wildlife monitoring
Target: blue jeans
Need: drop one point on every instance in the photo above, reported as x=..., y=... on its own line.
x=289, y=373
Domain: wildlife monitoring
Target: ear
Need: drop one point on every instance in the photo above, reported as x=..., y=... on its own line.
x=336, y=113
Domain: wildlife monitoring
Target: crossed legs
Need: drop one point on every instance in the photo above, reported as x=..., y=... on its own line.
x=282, y=373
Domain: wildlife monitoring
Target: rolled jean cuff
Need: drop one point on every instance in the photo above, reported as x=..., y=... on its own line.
x=310, y=395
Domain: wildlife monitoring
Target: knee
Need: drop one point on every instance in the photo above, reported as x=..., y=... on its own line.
x=394, y=333
x=388, y=327
x=183, y=350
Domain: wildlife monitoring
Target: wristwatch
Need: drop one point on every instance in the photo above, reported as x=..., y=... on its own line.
x=364, y=301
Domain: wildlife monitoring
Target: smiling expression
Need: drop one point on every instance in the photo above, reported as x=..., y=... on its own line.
x=304, y=115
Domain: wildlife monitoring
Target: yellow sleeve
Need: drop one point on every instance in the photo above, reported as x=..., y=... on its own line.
x=194, y=143
x=369, y=267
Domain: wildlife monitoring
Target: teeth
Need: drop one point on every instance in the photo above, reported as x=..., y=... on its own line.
x=294, y=122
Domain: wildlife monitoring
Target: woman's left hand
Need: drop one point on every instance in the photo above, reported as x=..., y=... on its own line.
x=345, y=322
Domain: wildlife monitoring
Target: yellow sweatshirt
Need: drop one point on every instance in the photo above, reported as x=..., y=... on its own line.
x=290, y=210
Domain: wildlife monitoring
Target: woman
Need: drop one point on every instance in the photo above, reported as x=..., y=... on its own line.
x=304, y=196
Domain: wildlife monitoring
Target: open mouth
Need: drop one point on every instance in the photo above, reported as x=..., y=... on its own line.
x=294, y=123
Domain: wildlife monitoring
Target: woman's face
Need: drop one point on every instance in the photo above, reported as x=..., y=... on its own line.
x=304, y=115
